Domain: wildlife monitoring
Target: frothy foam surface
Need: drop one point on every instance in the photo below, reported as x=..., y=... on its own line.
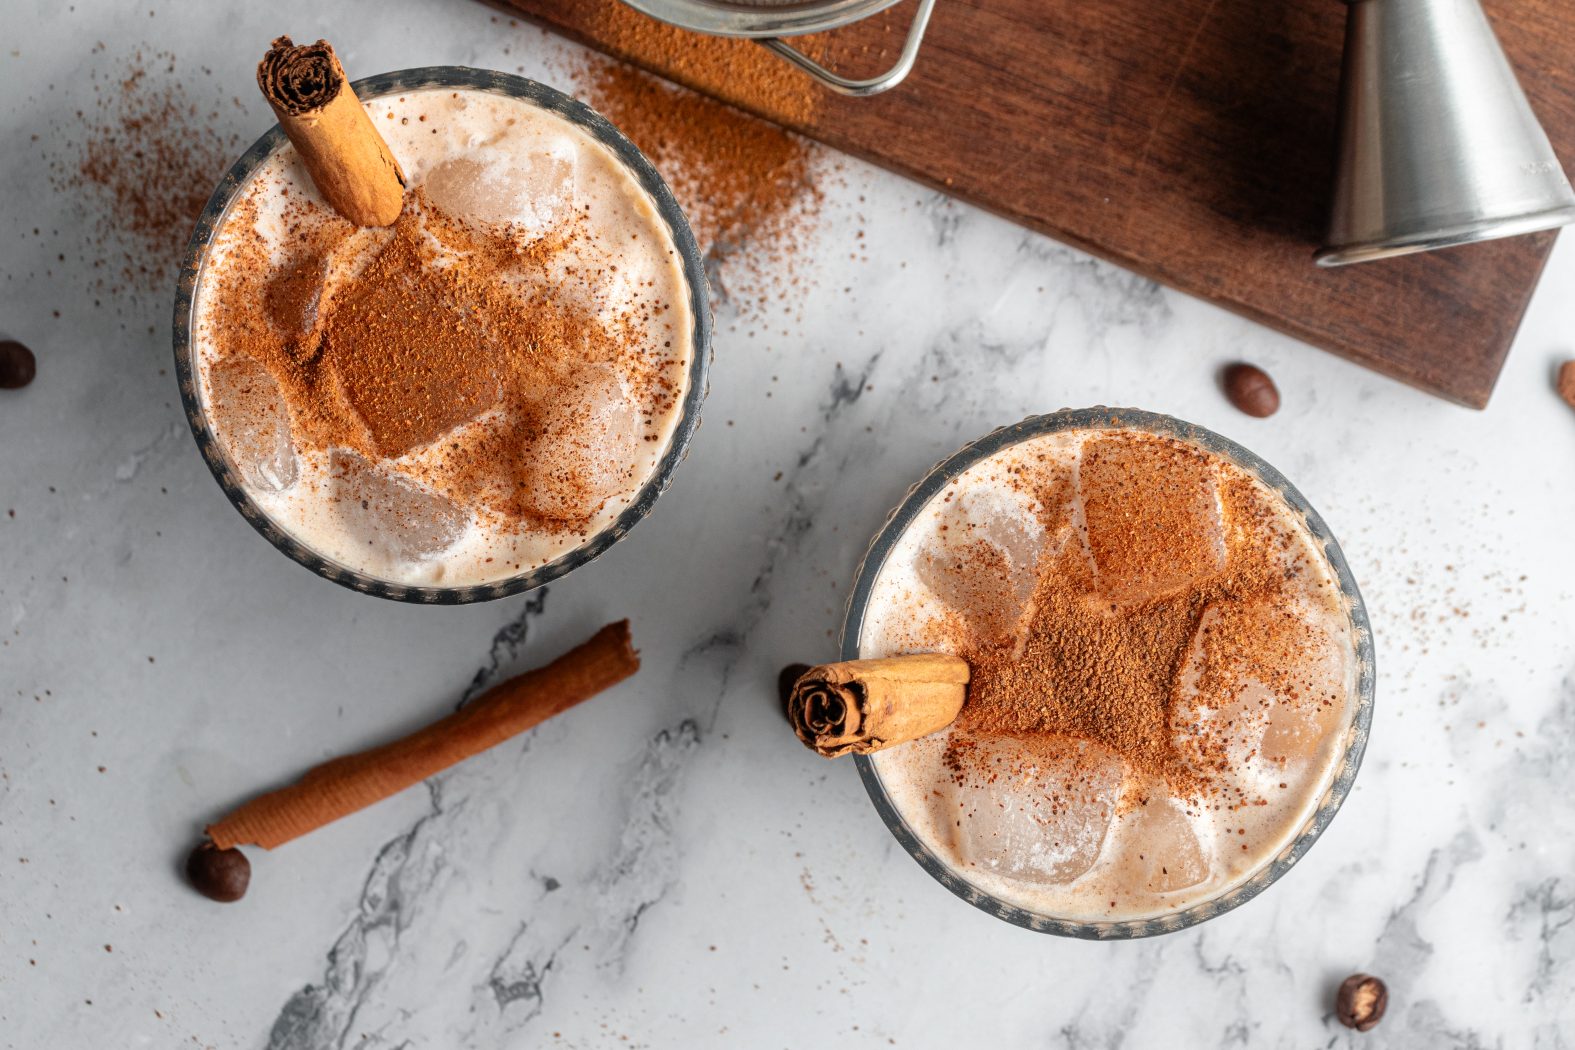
x=386, y=508
x=1066, y=827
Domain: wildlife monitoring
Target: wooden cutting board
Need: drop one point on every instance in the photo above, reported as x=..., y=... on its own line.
x=1190, y=141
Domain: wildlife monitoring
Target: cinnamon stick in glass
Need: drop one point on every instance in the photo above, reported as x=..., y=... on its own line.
x=348, y=160
x=860, y=706
x=345, y=785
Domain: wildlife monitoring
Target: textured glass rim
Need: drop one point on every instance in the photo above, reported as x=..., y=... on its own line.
x=588, y=120
x=1101, y=417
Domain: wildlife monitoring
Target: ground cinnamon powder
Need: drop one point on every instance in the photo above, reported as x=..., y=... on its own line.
x=147, y=159
x=733, y=70
x=750, y=189
x=380, y=347
x=740, y=180
x=1099, y=655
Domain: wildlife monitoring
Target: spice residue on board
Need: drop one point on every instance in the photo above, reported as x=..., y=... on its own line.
x=751, y=189
x=737, y=71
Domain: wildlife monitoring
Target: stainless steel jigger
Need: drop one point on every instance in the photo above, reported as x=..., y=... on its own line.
x=1438, y=145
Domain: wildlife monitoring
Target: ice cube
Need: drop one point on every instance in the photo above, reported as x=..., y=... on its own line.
x=1163, y=850
x=1263, y=684
x=409, y=357
x=1218, y=720
x=983, y=562
x=389, y=512
x=1151, y=509
x=622, y=299
x=1313, y=707
x=298, y=288
x=585, y=448
x=252, y=422
x=533, y=190
x=294, y=293
x=1036, y=809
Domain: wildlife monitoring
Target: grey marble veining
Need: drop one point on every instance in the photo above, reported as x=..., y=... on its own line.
x=665, y=866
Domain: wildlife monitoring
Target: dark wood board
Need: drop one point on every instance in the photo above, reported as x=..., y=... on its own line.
x=1190, y=141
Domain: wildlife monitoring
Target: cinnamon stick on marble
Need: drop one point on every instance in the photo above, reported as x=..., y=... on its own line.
x=345, y=785
x=860, y=706
x=348, y=160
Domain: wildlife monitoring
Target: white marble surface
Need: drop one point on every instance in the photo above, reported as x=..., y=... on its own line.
x=666, y=866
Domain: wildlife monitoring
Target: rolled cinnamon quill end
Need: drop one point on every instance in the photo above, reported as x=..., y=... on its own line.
x=348, y=160
x=345, y=785
x=860, y=706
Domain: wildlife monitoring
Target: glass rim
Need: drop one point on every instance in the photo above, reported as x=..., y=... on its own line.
x=1358, y=728
x=603, y=131
x=743, y=18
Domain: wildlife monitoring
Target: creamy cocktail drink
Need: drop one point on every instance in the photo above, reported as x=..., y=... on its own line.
x=472, y=392
x=1165, y=673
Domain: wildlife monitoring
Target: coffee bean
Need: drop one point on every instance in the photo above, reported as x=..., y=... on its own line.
x=1361, y=1001
x=790, y=674
x=17, y=365
x=1566, y=383
x=219, y=874
x=1250, y=389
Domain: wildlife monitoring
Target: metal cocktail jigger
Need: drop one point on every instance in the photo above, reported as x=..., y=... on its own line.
x=1438, y=145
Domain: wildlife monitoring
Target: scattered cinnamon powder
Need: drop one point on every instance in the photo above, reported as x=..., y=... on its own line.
x=740, y=72
x=742, y=182
x=1102, y=654
x=750, y=189
x=1147, y=509
x=149, y=158
x=404, y=353
x=383, y=340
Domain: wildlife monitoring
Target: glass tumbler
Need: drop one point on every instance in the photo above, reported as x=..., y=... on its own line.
x=229, y=192
x=1356, y=729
